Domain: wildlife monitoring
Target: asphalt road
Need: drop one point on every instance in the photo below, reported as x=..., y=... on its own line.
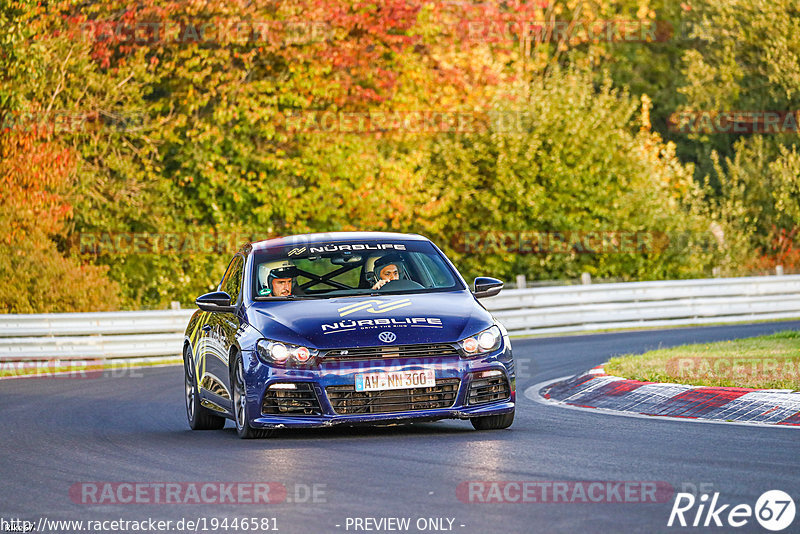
x=57, y=433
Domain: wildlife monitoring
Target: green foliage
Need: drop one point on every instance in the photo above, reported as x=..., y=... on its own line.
x=35, y=279
x=746, y=55
x=577, y=163
x=188, y=136
x=742, y=55
x=35, y=175
x=759, y=198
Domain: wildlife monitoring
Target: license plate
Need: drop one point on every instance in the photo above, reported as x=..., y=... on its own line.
x=395, y=380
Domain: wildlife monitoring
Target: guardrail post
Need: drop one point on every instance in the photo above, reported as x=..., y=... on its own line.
x=779, y=270
x=586, y=279
x=522, y=283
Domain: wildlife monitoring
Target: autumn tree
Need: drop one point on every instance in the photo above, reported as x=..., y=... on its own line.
x=36, y=175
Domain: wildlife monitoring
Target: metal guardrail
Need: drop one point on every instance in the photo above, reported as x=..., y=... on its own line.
x=646, y=304
x=544, y=310
x=86, y=324
x=88, y=336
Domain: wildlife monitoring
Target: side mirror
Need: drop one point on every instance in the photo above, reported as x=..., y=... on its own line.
x=217, y=301
x=487, y=287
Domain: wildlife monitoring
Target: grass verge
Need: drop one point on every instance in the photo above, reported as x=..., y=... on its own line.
x=764, y=362
x=647, y=328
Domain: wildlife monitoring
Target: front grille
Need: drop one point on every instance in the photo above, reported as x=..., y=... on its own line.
x=299, y=401
x=487, y=389
x=424, y=350
x=346, y=400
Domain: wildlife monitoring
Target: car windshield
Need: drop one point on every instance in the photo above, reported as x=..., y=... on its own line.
x=336, y=269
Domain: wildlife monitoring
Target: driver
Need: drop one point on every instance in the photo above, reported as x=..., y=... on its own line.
x=386, y=269
x=280, y=279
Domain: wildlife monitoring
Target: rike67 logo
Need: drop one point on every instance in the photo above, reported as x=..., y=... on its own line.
x=774, y=510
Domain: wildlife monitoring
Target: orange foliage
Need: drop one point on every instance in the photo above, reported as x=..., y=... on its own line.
x=35, y=173
x=35, y=177
x=784, y=251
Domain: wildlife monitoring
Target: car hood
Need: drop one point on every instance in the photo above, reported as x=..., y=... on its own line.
x=357, y=321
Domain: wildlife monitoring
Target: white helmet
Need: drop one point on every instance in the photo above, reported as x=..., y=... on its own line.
x=267, y=272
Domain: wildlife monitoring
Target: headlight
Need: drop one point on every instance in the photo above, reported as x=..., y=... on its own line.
x=277, y=352
x=481, y=343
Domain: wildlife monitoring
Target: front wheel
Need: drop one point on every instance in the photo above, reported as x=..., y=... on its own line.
x=200, y=417
x=492, y=422
x=243, y=428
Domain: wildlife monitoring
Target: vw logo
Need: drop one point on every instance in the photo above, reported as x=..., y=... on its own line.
x=387, y=337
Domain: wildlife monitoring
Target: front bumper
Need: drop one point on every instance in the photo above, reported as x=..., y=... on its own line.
x=261, y=376
x=388, y=418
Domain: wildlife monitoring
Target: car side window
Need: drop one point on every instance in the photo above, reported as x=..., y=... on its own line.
x=232, y=281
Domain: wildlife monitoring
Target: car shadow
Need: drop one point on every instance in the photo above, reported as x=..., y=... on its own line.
x=367, y=430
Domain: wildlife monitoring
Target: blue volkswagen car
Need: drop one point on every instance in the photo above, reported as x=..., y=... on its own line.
x=345, y=328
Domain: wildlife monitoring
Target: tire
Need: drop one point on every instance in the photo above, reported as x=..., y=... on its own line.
x=243, y=428
x=200, y=417
x=492, y=422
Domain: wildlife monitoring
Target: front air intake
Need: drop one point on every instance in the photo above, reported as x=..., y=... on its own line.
x=487, y=386
x=285, y=398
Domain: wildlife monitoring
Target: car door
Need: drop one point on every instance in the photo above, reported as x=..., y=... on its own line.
x=228, y=323
x=218, y=335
